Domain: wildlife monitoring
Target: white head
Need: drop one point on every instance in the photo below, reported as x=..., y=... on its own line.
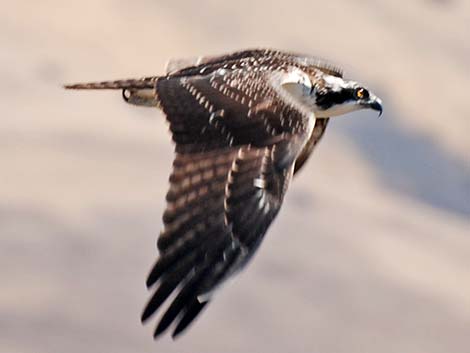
x=326, y=95
x=333, y=96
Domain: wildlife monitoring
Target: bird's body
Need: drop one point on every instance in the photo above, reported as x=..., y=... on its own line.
x=242, y=124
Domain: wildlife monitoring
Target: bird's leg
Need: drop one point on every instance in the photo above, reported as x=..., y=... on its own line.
x=141, y=97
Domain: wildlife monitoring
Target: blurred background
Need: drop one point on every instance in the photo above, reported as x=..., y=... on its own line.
x=371, y=252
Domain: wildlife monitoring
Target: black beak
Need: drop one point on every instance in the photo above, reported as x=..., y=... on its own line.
x=376, y=105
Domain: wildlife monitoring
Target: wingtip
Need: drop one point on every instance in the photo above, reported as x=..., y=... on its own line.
x=154, y=274
x=149, y=282
x=176, y=334
x=145, y=316
x=159, y=330
x=178, y=331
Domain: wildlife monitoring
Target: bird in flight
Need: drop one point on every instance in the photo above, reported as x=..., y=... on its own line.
x=243, y=124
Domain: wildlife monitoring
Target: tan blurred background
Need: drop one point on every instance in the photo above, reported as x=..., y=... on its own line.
x=371, y=252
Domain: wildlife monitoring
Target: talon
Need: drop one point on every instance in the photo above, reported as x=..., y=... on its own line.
x=126, y=94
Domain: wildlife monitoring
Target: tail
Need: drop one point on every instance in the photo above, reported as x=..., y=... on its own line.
x=140, y=92
x=131, y=84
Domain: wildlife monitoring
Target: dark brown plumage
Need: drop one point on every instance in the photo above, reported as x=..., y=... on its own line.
x=240, y=134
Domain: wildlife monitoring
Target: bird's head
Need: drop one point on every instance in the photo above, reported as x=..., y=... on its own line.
x=335, y=96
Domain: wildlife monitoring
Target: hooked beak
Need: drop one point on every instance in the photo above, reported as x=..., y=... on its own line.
x=375, y=104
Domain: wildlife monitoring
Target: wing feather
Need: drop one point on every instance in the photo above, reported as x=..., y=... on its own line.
x=199, y=246
x=317, y=134
x=192, y=310
x=191, y=66
x=237, y=139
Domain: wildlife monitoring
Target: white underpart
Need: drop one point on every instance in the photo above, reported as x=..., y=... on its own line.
x=339, y=109
x=296, y=81
x=142, y=97
x=295, y=88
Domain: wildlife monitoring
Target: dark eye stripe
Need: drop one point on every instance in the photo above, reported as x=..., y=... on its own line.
x=331, y=98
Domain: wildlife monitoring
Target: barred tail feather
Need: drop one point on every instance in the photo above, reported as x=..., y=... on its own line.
x=140, y=92
x=142, y=83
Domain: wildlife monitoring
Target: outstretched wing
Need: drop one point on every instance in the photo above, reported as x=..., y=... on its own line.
x=220, y=205
x=307, y=62
x=237, y=137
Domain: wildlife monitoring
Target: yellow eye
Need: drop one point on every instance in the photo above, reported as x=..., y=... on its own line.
x=361, y=93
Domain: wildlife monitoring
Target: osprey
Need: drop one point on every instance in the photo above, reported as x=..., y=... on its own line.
x=243, y=124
